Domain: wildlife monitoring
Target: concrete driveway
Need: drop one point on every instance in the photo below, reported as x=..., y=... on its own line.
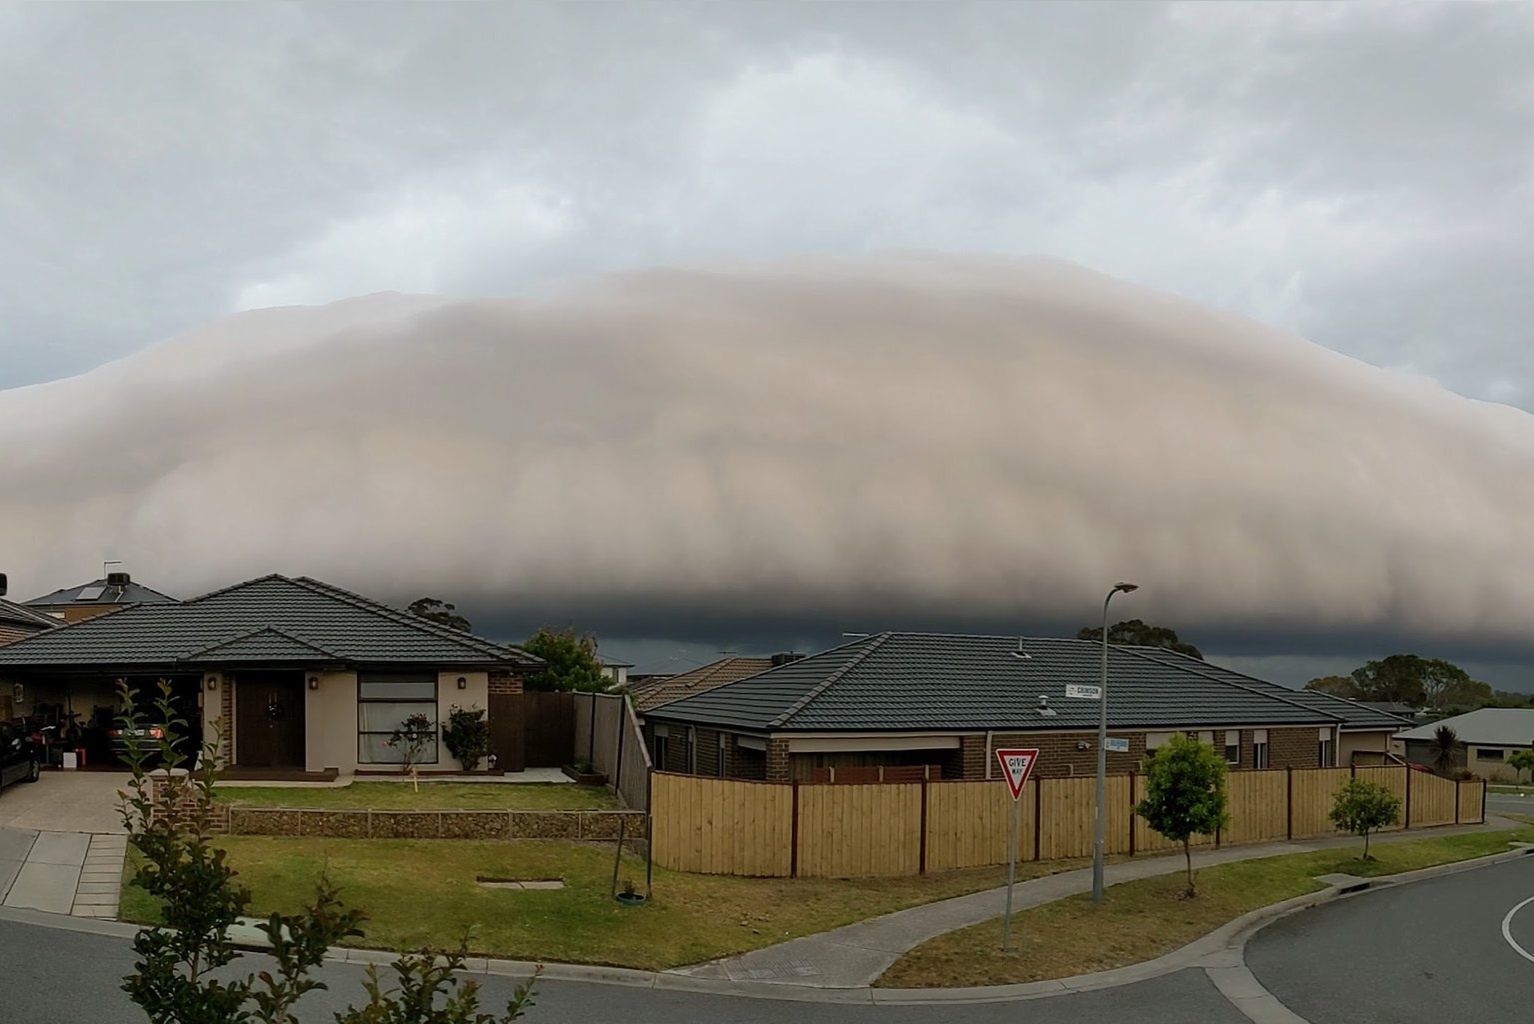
x=65, y=802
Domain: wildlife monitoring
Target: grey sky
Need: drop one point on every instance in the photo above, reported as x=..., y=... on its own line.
x=1362, y=175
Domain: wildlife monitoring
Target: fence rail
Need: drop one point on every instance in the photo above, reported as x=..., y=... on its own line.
x=725, y=826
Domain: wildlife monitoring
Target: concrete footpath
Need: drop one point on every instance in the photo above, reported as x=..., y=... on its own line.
x=855, y=956
x=76, y=873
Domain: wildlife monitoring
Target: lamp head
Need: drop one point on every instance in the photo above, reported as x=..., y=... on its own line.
x=1125, y=588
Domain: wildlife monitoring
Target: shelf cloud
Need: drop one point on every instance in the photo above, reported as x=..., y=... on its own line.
x=908, y=437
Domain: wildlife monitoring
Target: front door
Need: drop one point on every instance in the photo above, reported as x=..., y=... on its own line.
x=269, y=719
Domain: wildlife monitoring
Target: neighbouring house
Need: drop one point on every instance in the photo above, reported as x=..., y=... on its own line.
x=292, y=674
x=702, y=679
x=615, y=672
x=17, y=621
x=114, y=591
x=939, y=706
x=1394, y=707
x=1487, y=737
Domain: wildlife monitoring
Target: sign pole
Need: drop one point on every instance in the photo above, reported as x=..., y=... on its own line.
x=1006, y=921
x=1016, y=765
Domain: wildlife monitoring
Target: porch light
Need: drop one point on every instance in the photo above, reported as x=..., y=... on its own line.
x=314, y=682
x=463, y=684
x=212, y=682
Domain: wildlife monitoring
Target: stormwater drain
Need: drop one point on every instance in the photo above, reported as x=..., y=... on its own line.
x=520, y=883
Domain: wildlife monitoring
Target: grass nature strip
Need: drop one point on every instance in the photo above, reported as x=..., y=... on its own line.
x=434, y=796
x=1144, y=919
x=423, y=892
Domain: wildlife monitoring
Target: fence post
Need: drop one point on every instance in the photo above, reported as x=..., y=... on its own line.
x=591, y=727
x=1289, y=802
x=1406, y=823
x=922, y=853
x=793, y=834
x=1456, y=802
x=1131, y=812
x=1483, y=802
x=1038, y=818
x=618, y=757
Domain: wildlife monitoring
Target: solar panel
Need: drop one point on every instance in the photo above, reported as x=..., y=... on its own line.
x=90, y=593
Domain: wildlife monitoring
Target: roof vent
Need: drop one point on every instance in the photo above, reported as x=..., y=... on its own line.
x=118, y=579
x=1044, y=708
x=1020, y=653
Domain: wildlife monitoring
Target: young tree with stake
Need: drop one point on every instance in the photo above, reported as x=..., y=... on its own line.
x=1361, y=807
x=1184, y=795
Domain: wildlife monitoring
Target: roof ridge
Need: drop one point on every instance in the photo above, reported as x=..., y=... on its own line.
x=257, y=632
x=1134, y=652
x=877, y=640
x=405, y=618
x=236, y=586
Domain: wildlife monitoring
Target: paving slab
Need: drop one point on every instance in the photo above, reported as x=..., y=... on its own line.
x=15, y=844
x=60, y=848
x=41, y=886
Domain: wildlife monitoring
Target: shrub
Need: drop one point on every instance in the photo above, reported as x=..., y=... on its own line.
x=1361, y=807
x=467, y=736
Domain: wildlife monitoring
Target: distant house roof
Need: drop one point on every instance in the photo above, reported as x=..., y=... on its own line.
x=699, y=680
x=1354, y=714
x=13, y=614
x=1392, y=707
x=925, y=681
x=102, y=592
x=1503, y=727
x=270, y=620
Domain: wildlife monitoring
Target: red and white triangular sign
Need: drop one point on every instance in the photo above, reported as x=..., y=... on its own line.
x=1016, y=765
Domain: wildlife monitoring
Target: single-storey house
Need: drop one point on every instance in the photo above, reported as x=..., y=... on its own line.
x=702, y=679
x=18, y=621
x=1487, y=737
x=942, y=704
x=110, y=593
x=296, y=675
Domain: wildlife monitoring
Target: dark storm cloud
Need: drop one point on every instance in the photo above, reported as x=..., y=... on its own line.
x=774, y=452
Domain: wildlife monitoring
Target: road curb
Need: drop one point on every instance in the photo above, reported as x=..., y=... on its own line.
x=1218, y=949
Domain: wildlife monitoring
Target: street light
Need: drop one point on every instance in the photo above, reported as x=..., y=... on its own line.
x=1102, y=754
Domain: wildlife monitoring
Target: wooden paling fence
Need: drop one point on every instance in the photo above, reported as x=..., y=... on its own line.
x=731, y=827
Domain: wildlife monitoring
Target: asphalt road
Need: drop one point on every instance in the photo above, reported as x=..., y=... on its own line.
x=1431, y=951
x=49, y=976
x=1507, y=803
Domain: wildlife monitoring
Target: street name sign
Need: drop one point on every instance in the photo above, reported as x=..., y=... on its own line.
x=1116, y=745
x=1016, y=765
x=1084, y=692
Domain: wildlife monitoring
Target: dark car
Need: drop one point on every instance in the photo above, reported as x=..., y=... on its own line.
x=149, y=742
x=19, y=759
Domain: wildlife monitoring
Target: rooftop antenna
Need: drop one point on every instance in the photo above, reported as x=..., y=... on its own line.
x=1020, y=653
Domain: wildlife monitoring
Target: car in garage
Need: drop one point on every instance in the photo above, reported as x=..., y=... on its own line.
x=19, y=758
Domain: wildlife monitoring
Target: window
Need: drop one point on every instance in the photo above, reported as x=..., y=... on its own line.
x=1232, y=746
x=662, y=750
x=722, y=748
x=1260, y=749
x=1324, y=757
x=1489, y=753
x=1156, y=739
x=385, y=702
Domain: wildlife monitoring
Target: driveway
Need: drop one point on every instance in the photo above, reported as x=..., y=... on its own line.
x=65, y=802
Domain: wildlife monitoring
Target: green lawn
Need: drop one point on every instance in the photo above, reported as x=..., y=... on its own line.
x=423, y=892
x=1142, y=920
x=434, y=796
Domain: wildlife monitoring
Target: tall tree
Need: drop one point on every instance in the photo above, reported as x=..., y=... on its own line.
x=436, y=610
x=1421, y=682
x=1135, y=633
x=1337, y=686
x=570, y=660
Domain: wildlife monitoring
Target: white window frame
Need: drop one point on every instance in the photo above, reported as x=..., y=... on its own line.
x=1261, y=757
x=1229, y=746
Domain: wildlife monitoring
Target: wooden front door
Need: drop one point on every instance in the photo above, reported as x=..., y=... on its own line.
x=269, y=719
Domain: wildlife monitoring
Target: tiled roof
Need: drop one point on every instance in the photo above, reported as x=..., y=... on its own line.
x=1354, y=714
x=270, y=619
x=12, y=613
x=699, y=680
x=911, y=681
x=128, y=593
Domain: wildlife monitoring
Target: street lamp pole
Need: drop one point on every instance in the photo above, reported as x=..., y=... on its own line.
x=1102, y=754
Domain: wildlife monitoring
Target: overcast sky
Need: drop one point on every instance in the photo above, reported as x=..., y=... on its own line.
x=1360, y=175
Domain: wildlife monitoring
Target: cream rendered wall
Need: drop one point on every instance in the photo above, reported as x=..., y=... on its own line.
x=1371, y=742
x=475, y=694
x=330, y=722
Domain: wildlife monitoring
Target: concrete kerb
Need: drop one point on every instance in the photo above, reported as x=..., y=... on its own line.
x=1219, y=952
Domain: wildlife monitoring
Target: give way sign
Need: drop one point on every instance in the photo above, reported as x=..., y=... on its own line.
x=1016, y=765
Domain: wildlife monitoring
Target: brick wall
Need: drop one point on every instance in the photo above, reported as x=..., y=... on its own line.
x=777, y=759
x=226, y=719
x=505, y=682
x=743, y=762
x=1059, y=756
x=1294, y=748
x=709, y=755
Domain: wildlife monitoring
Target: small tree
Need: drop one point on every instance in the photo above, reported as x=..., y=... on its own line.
x=467, y=736
x=411, y=739
x=1361, y=807
x=1444, y=749
x=1521, y=761
x=1184, y=794
x=168, y=814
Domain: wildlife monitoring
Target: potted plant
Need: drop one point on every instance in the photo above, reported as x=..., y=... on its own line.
x=629, y=897
x=467, y=736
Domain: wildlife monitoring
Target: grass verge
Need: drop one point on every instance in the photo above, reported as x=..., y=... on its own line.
x=434, y=796
x=1144, y=919
x=423, y=892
